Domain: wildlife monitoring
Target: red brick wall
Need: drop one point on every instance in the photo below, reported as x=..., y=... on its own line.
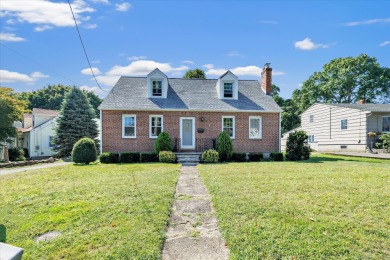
x=112, y=140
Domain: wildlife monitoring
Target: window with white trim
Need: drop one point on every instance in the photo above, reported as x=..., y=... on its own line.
x=255, y=127
x=129, y=125
x=228, y=89
x=311, y=139
x=155, y=125
x=386, y=124
x=51, y=141
x=228, y=125
x=344, y=124
x=311, y=119
x=156, y=88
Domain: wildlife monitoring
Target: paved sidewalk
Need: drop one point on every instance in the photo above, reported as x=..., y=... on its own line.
x=33, y=167
x=193, y=229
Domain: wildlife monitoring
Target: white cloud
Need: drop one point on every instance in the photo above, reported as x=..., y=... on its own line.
x=90, y=26
x=137, y=58
x=10, y=37
x=37, y=75
x=87, y=71
x=384, y=43
x=45, y=12
x=10, y=76
x=10, y=21
x=143, y=67
x=123, y=7
x=98, y=91
x=107, y=80
x=269, y=22
x=234, y=54
x=43, y=28
x=188, y=61
x=307, y=44
x=366, y=22
x=101, y=1
x=239, y=71
x=95, y=61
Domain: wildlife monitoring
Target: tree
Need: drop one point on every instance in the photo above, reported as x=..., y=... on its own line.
x=163, y=143
x=52, y=96
x=11, y=109
x=84, y=151
x=224, y=146
x=195, y=74
x=347, y=80
x=76, y=121
x=295, y=146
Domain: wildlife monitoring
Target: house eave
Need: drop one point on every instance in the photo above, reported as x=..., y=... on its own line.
x=192, y=110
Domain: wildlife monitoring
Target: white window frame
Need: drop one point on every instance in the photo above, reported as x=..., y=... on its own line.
x=223, y=89
x=311, y=139
x=150, y=125
x=234, y=125
x=123, y=126
x=311, y=119
x=341, y=124
x=382, y=123
x=260, y=127
x=162, y=88
x=50, y=145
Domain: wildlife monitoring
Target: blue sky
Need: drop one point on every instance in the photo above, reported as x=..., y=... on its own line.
x=39, y=44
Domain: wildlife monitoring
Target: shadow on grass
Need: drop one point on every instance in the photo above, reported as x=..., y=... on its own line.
x=3, y=233
x=334, y=158
x=86, y=165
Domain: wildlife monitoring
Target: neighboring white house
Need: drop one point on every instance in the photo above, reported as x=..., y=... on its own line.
x=344, y=127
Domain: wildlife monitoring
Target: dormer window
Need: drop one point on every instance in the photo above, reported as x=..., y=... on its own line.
x=228, y=90
x=157, y=88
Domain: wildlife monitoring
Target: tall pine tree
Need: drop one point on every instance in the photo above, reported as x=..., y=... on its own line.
x=76, y=121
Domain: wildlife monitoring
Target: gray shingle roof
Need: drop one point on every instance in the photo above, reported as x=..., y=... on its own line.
x=364, y=107
x=130, y=93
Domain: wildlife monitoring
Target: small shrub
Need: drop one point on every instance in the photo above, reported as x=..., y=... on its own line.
x=276, y=157
x=385, y=140
x=210, y=156
x=239, y=157
x=129, y=157
x=167, y=157
x=26, y=153
x=109, y=158
x=294, y=146
x=306, y=151
x=224, y=146
x=148, y=157
x=84, y=151
x=16, y=154
x=255, y=157
x=163, y=143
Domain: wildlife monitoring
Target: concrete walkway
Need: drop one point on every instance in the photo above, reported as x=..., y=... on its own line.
x=193, y=229
x=365, y=155
x=33, y=167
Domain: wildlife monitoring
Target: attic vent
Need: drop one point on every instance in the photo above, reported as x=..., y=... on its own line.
x=343, y=147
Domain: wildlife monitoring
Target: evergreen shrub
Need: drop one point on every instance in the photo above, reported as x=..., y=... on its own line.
x=224, y=146
x=210, y=156
x=84, y=151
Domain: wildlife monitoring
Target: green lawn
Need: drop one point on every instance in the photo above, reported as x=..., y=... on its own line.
x=104, y=211
x=326, y=208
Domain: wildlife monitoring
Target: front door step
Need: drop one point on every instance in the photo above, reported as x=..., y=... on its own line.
x=188, y=159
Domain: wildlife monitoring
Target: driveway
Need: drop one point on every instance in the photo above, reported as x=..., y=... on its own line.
x=33, y=167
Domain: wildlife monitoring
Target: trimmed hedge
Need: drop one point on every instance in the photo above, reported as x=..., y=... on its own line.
x=84, y=151
x=210, y=156
x=276, y=157
x=148, y=157
x=255, y=157
x=224, y=146
x=167, y=157
x=109, y=157
x=129, y=157
x=239, y=157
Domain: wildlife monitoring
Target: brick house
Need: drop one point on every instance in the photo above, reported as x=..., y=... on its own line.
x=193, y=111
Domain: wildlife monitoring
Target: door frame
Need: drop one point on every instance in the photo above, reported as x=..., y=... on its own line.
x=181, y=133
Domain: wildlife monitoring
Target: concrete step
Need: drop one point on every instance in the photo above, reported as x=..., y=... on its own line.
x=188, y=159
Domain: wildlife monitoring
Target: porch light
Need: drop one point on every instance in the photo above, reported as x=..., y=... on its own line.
x=202, y=118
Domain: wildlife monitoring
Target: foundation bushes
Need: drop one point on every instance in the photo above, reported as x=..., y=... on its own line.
x=277, y=157
x=148, y=157
x=210, y=156
x=239, y=157
x=129, y=157
x=256, y=157
x=167, y=157
x=109, y=157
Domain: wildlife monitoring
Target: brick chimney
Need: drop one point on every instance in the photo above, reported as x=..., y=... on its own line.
x=362, y=102
x=266, y=79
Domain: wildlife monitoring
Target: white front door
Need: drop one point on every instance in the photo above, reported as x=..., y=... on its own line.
x=187, y=132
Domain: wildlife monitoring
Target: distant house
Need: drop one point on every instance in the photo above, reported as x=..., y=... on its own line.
x=37, y=132
x=283, y=141
x=345, y=127
x=192, y=111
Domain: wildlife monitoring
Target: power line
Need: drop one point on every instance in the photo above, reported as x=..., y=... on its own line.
x=82, y=44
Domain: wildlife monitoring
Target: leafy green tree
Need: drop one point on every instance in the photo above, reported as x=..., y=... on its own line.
x=195, y=74
x=346, y=80
x=76, y=121
x=52, y=96
x=224, y=146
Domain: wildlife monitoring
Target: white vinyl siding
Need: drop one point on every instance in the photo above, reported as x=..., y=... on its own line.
x=228, y=125
x=129, y=126
x=155, y=125
x=255, y=127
